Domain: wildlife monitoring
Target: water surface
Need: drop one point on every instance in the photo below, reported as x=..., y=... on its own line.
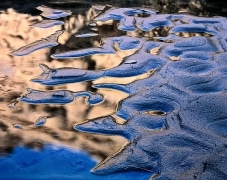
x=156, y=79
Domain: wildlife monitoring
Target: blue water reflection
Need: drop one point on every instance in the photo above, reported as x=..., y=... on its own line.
x=55, y=162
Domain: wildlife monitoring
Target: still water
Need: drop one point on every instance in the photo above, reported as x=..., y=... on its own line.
x=141, y=84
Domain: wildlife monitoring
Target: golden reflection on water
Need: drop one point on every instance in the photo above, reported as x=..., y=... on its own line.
x=17, y=123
